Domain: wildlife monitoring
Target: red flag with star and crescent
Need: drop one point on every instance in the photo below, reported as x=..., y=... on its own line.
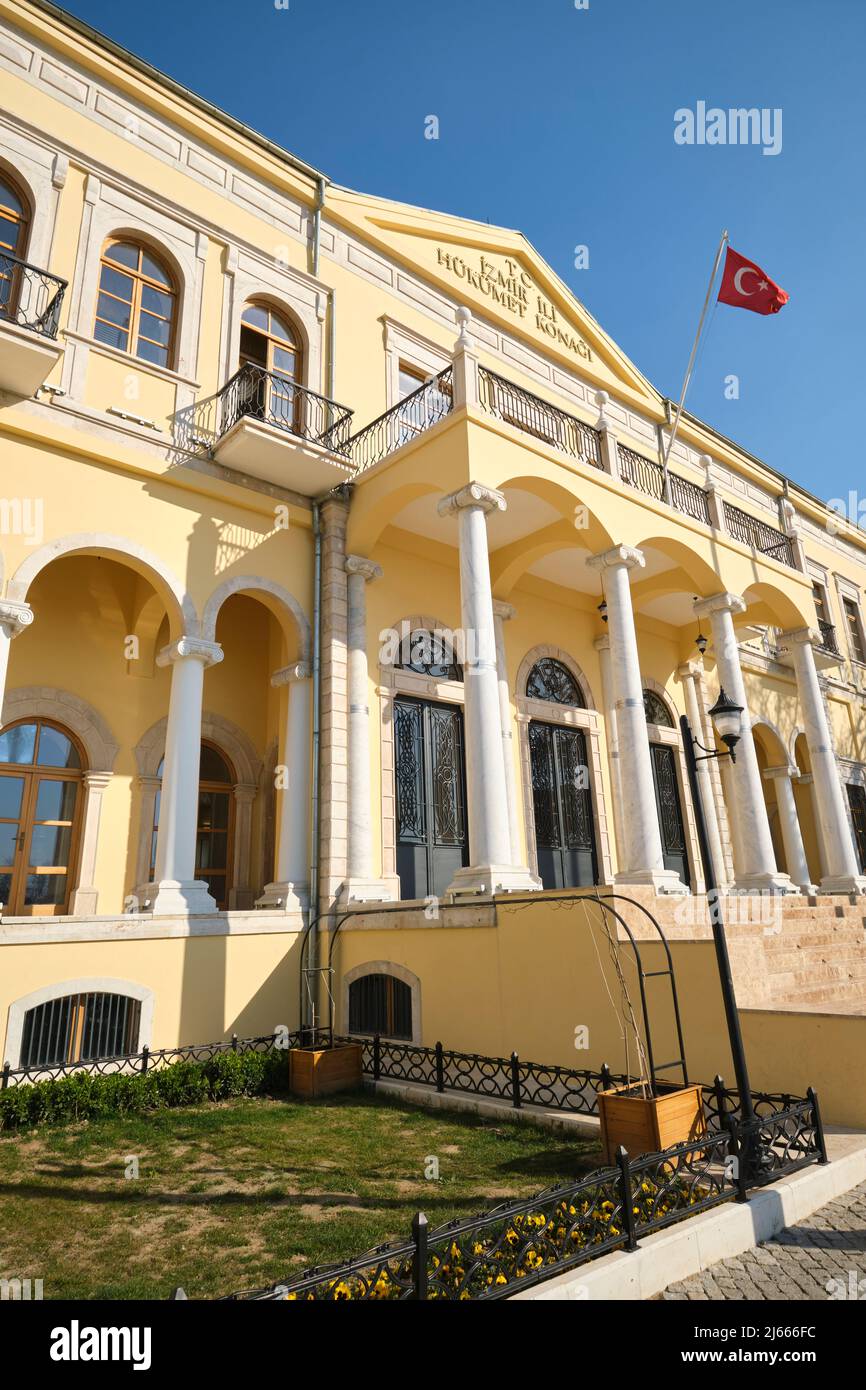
x=746, y=286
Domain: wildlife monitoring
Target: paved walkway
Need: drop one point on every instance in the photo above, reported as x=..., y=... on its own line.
x=828, y=1248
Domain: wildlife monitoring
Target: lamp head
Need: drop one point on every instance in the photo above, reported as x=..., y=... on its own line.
x=701, y=643
x=602, y=608
x=727, y=720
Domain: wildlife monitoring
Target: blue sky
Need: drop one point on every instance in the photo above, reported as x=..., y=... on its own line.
x=560, y=121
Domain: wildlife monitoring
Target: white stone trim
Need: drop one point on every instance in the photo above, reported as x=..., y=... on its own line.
x=403, y=344
x=257, y=584
x=30, y=165
x=382, y=967
x=567, y=716
x=181, y=609
x=393, y=682
x=253, y=277
x=88, y=725
x=659, y=733
x=93, y=985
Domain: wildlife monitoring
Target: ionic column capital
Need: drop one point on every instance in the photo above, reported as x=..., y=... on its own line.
x=358, y=564
x=720, y=603
x=287, y=675
x=488, y=499
x=690, y=670
x=784, y=770
x=191, y=648
x=802, y=637
x=504, y=611
x=620, y=556
x=15, y=616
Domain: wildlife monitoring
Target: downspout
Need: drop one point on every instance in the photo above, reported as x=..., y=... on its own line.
x=308, y=1006
x=317, y=222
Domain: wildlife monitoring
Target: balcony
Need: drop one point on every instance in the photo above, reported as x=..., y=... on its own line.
x=274, y=429
x=829, y=640
x=30, y=302
x=532, y=415
x=648, y=477
x=766, y=539
x=401, y=424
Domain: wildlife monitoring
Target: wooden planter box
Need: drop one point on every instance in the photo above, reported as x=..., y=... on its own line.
x=648, y=1124
x=323, y=1071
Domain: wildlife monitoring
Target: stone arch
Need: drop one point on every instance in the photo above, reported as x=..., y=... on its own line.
x=566, y=659
x=414, y=622
x=648, y=683
x=771, y=606
x=581, y=526
x=760, y=721
x=276, y=598
x=179, y=605
x=237, y=746
x=88, y=725
x=385, y=967
x=59, y=990
x=702, y=576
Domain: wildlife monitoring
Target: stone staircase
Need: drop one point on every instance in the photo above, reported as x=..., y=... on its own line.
x=795, y=953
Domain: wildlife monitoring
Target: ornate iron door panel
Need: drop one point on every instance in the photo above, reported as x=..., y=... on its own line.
x=562, y=801
x=432, y=841
x=670, y=810
x=857, y=802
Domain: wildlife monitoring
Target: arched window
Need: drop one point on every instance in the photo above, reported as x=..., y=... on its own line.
x=41, y=779
x=271, y=363
x=380, y=1004
x=656, y=710
x=80, y=1028
x=550, y=680
x=428, y=653
x=214, y=839
x=136, y=306
x=14, y=224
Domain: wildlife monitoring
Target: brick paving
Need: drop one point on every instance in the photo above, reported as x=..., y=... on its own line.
x=829, y=1247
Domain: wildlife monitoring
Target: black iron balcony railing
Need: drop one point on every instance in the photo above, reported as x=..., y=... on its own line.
x=538, y=417
x=759, y=535
x=30, y=297
x=257, y=394
x=829, y=640
x=403, y=422
x=648, y=476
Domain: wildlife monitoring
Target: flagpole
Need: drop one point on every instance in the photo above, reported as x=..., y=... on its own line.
x=689, y=369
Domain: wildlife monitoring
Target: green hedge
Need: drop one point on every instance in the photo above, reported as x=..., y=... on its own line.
x=82, y=1096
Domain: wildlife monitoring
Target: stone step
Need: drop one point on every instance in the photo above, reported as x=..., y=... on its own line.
x=844, y=938
x=816, y=974
x=830, y=996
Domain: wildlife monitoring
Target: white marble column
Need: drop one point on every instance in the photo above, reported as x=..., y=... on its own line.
x=503, y=613
x=641, y=859
x=290, y=891
x=690, y=674
x=807, y=780
x=490, y=869
x=240, y=892
x=360, y=884
x=792, y=837
x=756, y=868
x=14, y=618
x=602, y=646
x=843, y=870
x=176, y=889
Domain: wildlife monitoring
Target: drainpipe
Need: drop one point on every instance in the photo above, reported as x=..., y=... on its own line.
x=317, y=222
x=313, y=909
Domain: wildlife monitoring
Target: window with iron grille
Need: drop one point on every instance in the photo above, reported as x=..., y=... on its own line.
x=80, y=1028
x=380, y=1004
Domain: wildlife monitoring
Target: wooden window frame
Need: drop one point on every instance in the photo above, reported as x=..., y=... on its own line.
x=140, y=282
x=32, y=773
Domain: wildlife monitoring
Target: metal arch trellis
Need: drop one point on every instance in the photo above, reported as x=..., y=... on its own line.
x=325, y=972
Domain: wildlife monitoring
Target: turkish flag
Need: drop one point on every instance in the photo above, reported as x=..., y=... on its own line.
x=745, y=285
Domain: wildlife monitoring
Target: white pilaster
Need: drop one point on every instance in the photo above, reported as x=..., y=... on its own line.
x=490, y=868
x=640, y=858
x=464, y=371
x=290, y=892
x=602, y=646
x=756, y=868
x=85, y=897
x=792, y=837
x=14, y=618
x=360, y=884
x=177, y=890
x=690, y=674
x=843, y=871
x=503, y=613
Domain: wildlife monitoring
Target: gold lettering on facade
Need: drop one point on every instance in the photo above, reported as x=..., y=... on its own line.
x=513, y=288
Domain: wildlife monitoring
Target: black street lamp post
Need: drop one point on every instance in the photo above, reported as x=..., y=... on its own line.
x=727, y=718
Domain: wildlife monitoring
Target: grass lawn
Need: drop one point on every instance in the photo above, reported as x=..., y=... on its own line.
x=248, y=1192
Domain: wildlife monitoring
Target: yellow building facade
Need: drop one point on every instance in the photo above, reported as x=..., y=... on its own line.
x=340, y=567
